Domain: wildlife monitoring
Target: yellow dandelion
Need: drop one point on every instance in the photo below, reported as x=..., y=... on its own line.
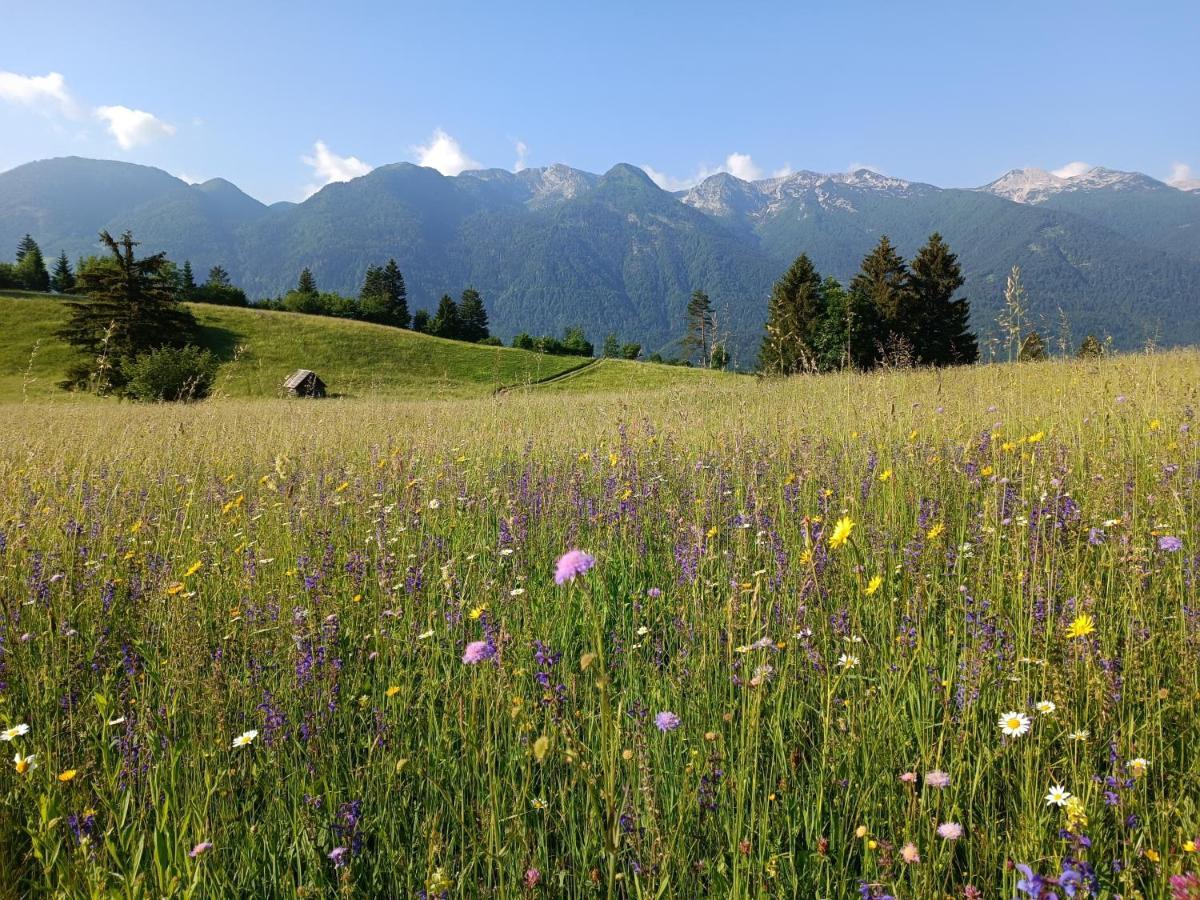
x=68, y=775
x=936, y=531
x=873, y=585
x=885, y=475
x=478, y=611
x=1081, y=627
x=392, y=691
x=841, y=532
x=193, y=569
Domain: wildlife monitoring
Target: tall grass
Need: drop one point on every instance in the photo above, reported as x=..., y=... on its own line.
x=172, y=578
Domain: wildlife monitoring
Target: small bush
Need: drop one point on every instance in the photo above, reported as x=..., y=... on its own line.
x=174, y=374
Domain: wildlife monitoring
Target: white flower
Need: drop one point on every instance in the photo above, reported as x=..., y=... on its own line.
x=1058, y=796
x=245, y=739
x=516, y=592
x=24, y=763
x=15, y=732
x=1045, y=707
x=1081, y=735
x=1138, y=766
x=425, y=634
x=1014, y=724
x=848, y=661
x=119, y=720
x=435, y=503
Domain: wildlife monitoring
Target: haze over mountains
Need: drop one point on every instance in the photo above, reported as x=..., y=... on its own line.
x=1118, y=252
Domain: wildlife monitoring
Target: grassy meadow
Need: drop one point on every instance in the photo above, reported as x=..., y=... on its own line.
x=840, y=637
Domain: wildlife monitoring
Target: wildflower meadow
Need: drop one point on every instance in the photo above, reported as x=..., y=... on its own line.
x=911, y=635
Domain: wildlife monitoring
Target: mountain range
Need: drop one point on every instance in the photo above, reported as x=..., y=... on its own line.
x=1117, y=252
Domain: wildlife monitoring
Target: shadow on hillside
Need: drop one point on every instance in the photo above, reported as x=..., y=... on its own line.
x=221, y=341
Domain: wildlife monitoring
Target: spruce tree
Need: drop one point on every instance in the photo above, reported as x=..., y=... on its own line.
x=880, y=306
x=421, y=322
x=472, y=317
x=1033, y=348
x=612, y=347
x=1091, y=348
x=307, y=284
x=63, y=279
x=128, y=308
x=373, y=286
x=187, y=281
x=699, y=326
x=795, y=312
x=218, y=278
x=938, y=323
x=397, y=293
x=445, y=322
x=30, y=270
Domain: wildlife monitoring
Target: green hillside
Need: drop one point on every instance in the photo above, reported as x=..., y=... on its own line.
x=259, y=349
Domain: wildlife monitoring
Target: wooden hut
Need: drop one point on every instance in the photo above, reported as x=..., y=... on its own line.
x=304, y=383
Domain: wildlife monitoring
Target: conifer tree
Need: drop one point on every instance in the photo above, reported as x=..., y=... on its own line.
x=795, y=313
x=472, y=317
x=187, y=281
x=421, y=322
x=1091, y=348
x=30, y=270
x=63, y=279
x=129, y=307
x=1033, y=348
x=612, y=347
x=307, y=284
x=938, y=323
x=218, y=278
x=880, y=303
x=397, y=293
x=445, y=322
x=699, y=326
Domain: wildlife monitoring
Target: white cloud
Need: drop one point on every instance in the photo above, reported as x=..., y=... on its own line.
x=1072, y=169
x=522, y=152
x=782, y=172
x=328, y=167
x=444, y=154
x=133, y=126
x=1183, y=177
x=739, y=165
x=190, y=179
x=44, y=93
x=870, y=167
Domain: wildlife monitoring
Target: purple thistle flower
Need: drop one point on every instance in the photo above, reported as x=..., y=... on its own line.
x=571, y=564
x=666, y=721
x=1169, y=543
x=477, y=652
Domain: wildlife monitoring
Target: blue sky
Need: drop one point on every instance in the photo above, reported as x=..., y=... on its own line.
x=282, y=97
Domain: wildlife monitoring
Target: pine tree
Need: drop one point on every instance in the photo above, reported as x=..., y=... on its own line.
x=445, y=322
x=63, y=279
x=612, y=347
x=472, y=317
x=795, y=312
x=30, y=270
x=307, y=284
x=128, y=308
x=1033, y=348
x=832, y=336
x=218, y=278
x=373, y=286
x=938, y=323
x=421, y=322
x=187, y=281
x=393, y=281
x=699, y=326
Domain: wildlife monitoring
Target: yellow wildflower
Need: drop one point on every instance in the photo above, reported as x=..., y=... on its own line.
x=1081, y=627
x=873, y=585
x=841, y=532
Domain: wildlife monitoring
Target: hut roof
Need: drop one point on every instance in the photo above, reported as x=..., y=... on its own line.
x=298, y=378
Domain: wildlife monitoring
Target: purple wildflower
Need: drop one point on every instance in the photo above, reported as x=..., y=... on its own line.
x=937, y=779
x=571, y=564
x=950, y=831
x=477, y=652
x=202, y=847
x=667, y=721
x=338, y=855
x=1169, y=543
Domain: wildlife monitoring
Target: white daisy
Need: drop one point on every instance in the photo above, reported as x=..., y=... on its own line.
x=245, y=739
x=848, y=661
x=1014, y=724
x=1045, y=707
x=15, y=732
x=1058, y=796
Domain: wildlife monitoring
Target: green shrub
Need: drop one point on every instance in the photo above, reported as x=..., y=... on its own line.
x=169, y=373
